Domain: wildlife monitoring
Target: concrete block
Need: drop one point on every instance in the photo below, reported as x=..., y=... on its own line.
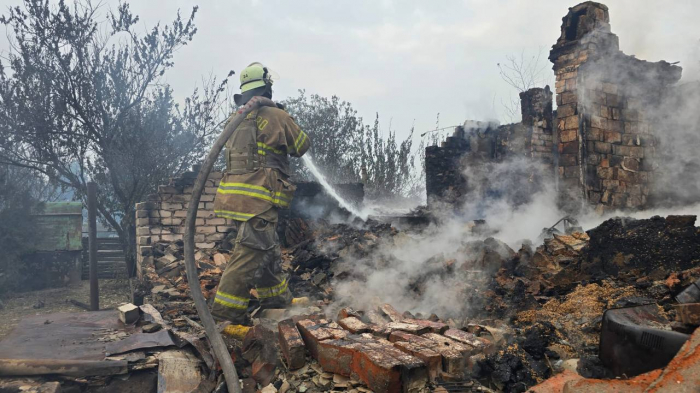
x=128, y=313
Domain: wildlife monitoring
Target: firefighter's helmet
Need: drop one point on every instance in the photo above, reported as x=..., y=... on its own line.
x=254, y=76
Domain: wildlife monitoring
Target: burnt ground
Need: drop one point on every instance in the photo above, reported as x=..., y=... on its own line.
x=19, y=305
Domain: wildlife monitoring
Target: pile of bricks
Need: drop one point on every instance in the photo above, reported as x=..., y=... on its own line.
x=386, y=350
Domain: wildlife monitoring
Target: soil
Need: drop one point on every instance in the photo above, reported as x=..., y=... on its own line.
x=14, y=307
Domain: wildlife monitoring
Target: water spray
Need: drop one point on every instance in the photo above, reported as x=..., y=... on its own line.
x=330, y=190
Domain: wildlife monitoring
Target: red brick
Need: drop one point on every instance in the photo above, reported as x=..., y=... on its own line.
x=312, y=317
x=414, y=372
x=353, y=325
x=407, y=327
x=376, y=318
x=463, y=348
x=391, y=312
x=348, y=312
x=432, y=359
x=336, y=356
x=433, y=327
x=292, y=344
x=313, y=332
x=466, y=338
x=386, y=369
x=378, y=330
x=263, y=371
x=453, y=361
x=380, y=371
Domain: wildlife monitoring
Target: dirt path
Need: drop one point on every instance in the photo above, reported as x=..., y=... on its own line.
x=18, y=305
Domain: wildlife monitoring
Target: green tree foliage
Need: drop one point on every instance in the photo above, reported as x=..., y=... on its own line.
x=347, y=150
x=82, y=100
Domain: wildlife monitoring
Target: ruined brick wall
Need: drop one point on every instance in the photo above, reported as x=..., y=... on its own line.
x=536, y=108
x=443, y=172
x=476, y=146
x=605, y=130
x=162, y=217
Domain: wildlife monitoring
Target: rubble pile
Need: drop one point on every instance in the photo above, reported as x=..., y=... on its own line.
x=166, y=279
x=379, y=349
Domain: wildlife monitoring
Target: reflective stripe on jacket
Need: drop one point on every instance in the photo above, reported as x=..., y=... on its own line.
x=242, y=196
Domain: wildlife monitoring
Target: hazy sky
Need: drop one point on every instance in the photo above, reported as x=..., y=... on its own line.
x=407, y=60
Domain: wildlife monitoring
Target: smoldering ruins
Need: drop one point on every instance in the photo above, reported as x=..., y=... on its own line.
x=557, y=254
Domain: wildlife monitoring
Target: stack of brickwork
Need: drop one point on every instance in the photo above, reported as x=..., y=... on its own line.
x=605, y=115
x=476, y=145
x=536, y=107
x=386, y=350
x=161, y=219
x=443, y=175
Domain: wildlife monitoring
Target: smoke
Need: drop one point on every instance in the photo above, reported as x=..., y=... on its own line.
x=436, y=269
x=444, y=267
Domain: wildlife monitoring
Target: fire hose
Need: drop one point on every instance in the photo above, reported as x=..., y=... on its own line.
x=215, y=339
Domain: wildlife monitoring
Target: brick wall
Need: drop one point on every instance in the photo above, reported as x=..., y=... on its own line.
x=162, y=217
x=475, y=145
x=605, y=116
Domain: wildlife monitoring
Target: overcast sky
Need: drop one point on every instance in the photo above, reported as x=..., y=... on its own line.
x=406, y=60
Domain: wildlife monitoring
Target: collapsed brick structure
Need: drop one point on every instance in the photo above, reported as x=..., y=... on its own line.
x=476, y=143
x=610, y=111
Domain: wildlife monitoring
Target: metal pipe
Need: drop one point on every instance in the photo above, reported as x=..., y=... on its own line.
x=215, y=339
x=92, y=245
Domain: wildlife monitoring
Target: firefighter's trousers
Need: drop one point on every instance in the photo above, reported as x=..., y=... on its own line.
x=255, y=263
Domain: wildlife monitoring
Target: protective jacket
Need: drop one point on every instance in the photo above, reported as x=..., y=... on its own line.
x=257, y=173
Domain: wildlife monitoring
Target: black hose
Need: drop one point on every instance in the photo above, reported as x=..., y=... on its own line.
x=215, y=339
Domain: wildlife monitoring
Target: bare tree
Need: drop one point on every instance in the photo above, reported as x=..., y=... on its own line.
x=81, y=100
x=522, y=72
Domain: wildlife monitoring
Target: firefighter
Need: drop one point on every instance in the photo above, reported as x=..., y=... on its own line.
x=256, y=184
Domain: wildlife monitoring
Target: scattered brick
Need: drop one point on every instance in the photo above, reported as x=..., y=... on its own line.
x=376, y=318
x=464, y=349
x=465, y=338
x=313, y=332
x=433, y=327
x=348, y=312
x=432, y=359
x=354, y=325
x=381, y=372
x=453, y=361
x=292, y=344
x=407, y=327
x=378, y=330
x=392, y=313
x=336, y=356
